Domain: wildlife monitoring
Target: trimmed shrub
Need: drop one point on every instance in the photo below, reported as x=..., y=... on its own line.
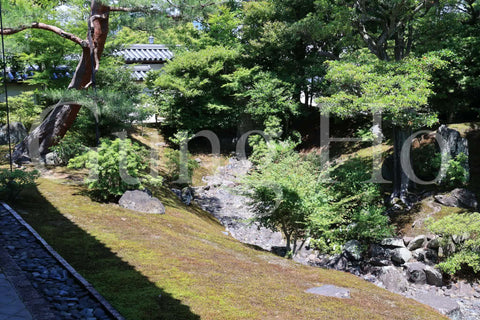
x=117, y=166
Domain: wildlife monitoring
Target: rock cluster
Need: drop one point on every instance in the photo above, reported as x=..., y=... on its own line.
x=68, y=299
x=17, y=133
x=219, y=198
x=407, y=266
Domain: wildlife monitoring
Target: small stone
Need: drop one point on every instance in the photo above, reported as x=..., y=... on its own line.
x=393, y=242
x=417, y=242
x=401, y=255
x=434, y=243
x=393, y=279
x=142, y=202
x=330, y=291
x=416, y=273
x=434, y=277
x=407, y=240
x=353, y=250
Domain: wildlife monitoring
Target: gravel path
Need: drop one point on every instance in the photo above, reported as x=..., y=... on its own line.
x=63, y=291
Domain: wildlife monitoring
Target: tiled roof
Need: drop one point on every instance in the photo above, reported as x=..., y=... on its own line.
x=146, y=53
x=140, y=72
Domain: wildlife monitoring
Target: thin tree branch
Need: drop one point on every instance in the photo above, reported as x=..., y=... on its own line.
x=43, y=26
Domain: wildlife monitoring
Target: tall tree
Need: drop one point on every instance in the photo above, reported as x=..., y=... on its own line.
x=98, y=18
x=387, y=29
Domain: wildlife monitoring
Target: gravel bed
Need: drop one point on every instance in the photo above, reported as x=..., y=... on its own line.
x=67, y=297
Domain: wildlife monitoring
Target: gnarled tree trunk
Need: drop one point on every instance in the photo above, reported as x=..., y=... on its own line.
x=61, y=118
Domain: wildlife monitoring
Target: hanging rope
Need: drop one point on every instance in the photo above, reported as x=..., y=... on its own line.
x=4, y=62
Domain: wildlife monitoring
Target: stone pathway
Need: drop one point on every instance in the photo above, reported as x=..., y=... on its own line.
x=11, y=307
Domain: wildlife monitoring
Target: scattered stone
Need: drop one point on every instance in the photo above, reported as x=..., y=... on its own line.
x=459, y=197
x=401, y=255
x=378, y=262
x=434, y=243
x=187, y=195
x=417, y=242
x=393, y=242
x=142, y=202
x=375, y=250
x=353, y=250
x=434, y=277
x=338, y=262
x=446, y=306
x=51, y=159
x=393, y=279
x=17, y=133
x=330, y=291
x=407, y=240
x=416, y=273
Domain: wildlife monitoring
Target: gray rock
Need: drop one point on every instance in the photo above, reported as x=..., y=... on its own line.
x=379, y=262
x=338, y=262
x=446, y=306
x=401, y=255
x=461, y=198
x=417, y=242
x=458, y=239
x=447, y=248
x=455, y=144
x=393, y=242
x=434, y=243
x=416, y=272
x=51, y=159
x=353, y=250
x=187, y=195
x=407, y=240
x=425, y=255
x=375, y=250
x=17, y=133
x=142, y=202
x=393, y=279
x=330, y=291
x=434, y=277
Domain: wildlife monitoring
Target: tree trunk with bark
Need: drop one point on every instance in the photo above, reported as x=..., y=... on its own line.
x=61, y=118
x=401, y=182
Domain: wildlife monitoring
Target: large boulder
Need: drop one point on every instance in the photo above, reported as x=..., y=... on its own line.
x=459, y=197
x=455, y=144
x=17, y=133
x=141, y=201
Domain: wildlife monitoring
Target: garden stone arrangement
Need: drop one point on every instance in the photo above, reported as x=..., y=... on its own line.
x=67, y=295
x=407, y=266
x=402, y=265
x=232, y=210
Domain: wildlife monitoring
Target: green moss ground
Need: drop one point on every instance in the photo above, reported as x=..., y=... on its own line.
x=184, y=257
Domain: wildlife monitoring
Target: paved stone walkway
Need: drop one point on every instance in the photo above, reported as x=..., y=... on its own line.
x=11, y=307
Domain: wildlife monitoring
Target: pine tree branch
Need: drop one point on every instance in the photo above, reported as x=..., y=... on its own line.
x=43, y=26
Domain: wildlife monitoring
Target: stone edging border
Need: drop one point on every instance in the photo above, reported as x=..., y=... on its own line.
x=105, y=304
x=33, y=301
